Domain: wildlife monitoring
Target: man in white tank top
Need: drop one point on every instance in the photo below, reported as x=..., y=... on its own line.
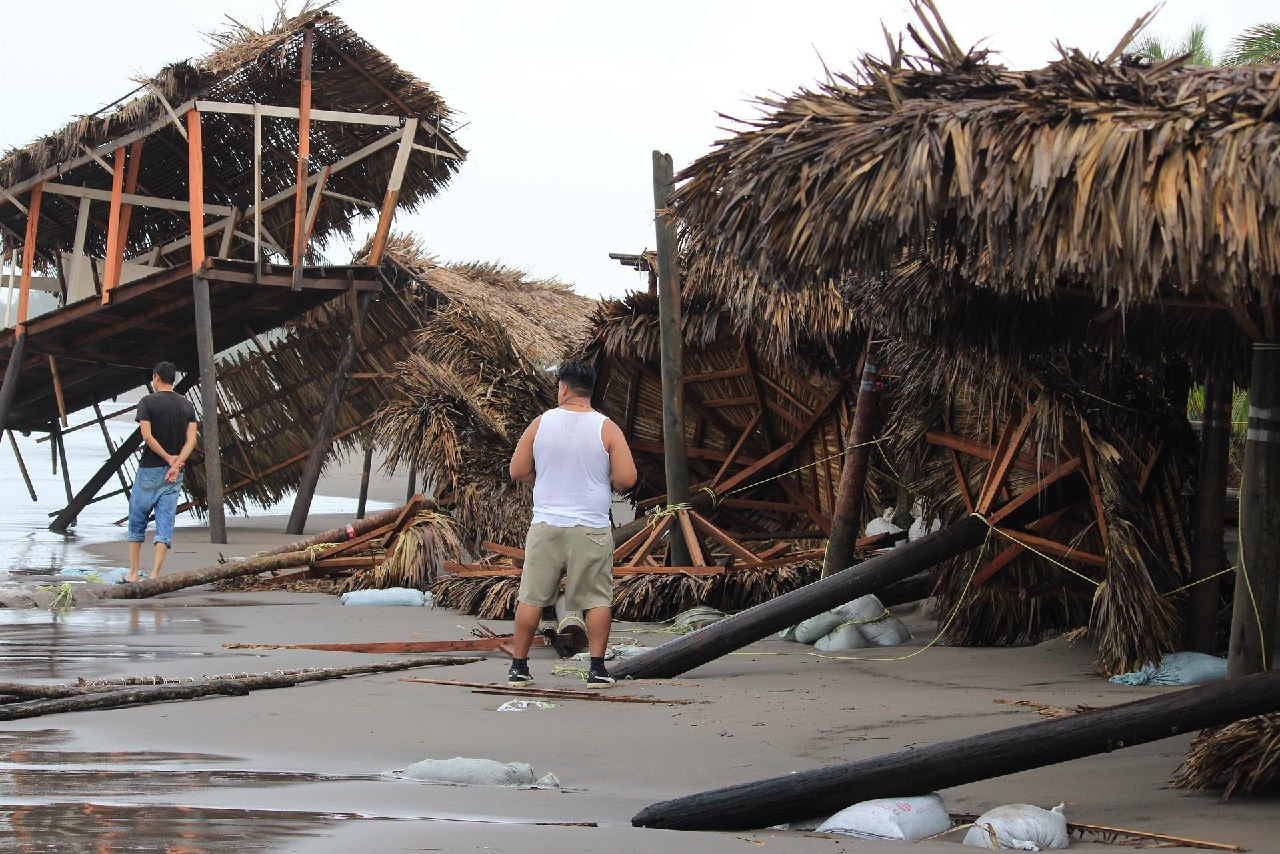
x=576, y=458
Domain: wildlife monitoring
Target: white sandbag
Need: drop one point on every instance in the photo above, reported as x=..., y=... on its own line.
x=788, y=634
x=389, y=596
x=461, y=771
x=861, y=610
x=886, y=631
x=817, y=627
x=922, y=526
x=1177, y=668
x=843, y=637
x=1021, y=827
x=883, y=524
x=905, y=819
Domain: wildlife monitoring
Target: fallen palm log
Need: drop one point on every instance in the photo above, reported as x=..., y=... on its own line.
x=710, y=642
x=465, y=645
x=921, y=770
x=235, y=686
x=358, y=528
x=207, y=575
x=551, y=693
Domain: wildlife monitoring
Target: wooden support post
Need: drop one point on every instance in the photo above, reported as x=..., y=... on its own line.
x=111, y=275
x=1211, y=490
x=944, y=765
x=304, y=158
x=111, y=447
x=324, y=429
x=846, y=518
x=709, y=643
x=60, y=447
x=204, y=337
x=28, y=258
x=1253, y=616
x=57, y=389
x=672, y=346
x=126, y=210
x=413, y=482
x=22, y=466
x=364, y=477
x=8, y=302
x=393, y=192
x=11, y=373
x=257, y=186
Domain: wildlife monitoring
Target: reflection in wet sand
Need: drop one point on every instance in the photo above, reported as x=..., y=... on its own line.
x=79, y=828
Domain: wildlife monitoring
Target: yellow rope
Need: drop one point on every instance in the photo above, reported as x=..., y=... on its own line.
x=1199, y=581
x=1244, y=571
x=942, y=630
x=1034, y=551
x=657, y=514
x=801, y=468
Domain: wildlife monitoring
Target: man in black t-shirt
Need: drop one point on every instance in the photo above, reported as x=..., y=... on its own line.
x=168, y=424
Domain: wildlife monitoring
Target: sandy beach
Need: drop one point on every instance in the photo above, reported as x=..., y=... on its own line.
x=309, y=768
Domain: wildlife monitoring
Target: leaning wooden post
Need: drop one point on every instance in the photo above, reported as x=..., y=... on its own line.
x=1211, y=490
x=392, y=197
x=109, y=276
x=204, y=337
x=1253, y=615
x=672, y=333
x=304, y=159
x=60, y=446
x=846, y=519
x=364, y=477
x=324, y=429
x=943, y=765
x=14, y=369
x=11, y=373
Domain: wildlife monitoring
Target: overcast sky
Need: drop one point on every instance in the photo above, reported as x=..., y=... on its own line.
x=561, y=101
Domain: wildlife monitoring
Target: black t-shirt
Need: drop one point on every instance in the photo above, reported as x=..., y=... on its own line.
x=169, y=414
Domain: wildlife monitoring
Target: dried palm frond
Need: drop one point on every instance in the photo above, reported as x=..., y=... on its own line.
x=487, y=597
x=417, y=557
x=1240, y=757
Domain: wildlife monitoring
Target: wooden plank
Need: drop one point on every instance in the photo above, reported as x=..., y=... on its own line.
x=126, y=209
x=505, y=551
x=275, y=112
x=1013, y=550
x=630, y=545
x=1035, y=489
x=393, y=192
x=358, y=543
x=1053, y=548
x=337, y=563
x=690, y=538
x=961, y=483
x=134, y=199
x=708, y=376
x=654, y=533
x=1006, y=451
x=724, y=539
x=405, y=519
x=732, y=456
x=195, y=184
x=718, y=402
x=28, y=259
x=111, y=277
x=57, y=389
x=304, y=156
x=1023, y=462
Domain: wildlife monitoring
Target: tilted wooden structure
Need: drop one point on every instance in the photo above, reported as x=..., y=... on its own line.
x=264, y=151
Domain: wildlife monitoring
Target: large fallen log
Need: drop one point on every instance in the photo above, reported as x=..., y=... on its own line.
x=207, y=575
x=710, y=642
x=84, y=699
x=921, y=770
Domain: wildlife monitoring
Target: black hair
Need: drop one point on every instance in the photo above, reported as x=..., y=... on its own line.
x=578, y=376
x=166, y=371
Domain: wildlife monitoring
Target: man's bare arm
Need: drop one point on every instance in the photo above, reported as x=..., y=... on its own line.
x=522, y=469
x=622, y=467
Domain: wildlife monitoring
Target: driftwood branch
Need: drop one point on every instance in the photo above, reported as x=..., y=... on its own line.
x=113, y=698
x=554, y=693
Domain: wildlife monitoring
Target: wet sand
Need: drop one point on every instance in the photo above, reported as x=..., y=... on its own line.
x=305, y=769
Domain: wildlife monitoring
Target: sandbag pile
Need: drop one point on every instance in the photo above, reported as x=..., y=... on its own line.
x=858, y=624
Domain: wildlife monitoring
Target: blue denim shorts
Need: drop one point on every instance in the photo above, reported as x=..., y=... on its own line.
x=151, y=494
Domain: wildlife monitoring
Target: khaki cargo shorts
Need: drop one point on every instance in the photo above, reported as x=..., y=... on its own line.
x=584, y=556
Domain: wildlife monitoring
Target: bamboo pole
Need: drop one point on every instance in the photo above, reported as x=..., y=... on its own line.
x=1253, y=617
x=928, y=768
x=672, y=345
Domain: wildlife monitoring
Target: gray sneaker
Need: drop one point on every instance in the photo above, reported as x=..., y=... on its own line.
x=519, y=676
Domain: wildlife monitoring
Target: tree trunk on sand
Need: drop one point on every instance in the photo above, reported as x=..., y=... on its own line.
x=710, y=642
x=921, y=770
x=137, y=694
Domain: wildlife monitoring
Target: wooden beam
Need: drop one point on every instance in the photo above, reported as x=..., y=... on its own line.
x=195, y=185
x=690, y=538
x=1006, y=452
x=732, y=456
x=134, y=199
x=1023, y=462
x=111, y=277
x=304, y=158
x=28, y=259
x=961, y=483
x=393, y=193
x=57, y=390
x=126, y=209
x=1013, y=550
x=272, y=111
x=1035, y=489
x=1053, y=548
x=700, y=522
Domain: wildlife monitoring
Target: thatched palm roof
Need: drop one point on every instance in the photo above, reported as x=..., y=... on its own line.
x=271, y=396
x=247, y=67
x=1126, y=184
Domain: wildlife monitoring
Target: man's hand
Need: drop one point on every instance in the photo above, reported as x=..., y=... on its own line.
x=175, y=469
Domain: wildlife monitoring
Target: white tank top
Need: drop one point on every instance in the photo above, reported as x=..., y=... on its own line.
x=573, y=484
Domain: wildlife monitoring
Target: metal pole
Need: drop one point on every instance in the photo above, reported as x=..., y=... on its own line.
x=669, y=323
